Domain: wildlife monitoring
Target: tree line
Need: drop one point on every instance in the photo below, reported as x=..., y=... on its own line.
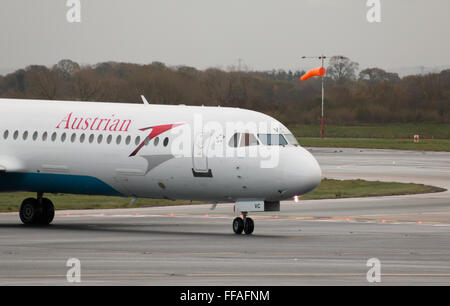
x=370, y=96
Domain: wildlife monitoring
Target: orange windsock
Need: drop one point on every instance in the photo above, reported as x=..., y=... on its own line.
x=313, y=72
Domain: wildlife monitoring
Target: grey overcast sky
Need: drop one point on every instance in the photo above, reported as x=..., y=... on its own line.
x=265, y=34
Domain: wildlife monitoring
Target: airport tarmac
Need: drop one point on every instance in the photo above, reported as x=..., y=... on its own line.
x=316, y=242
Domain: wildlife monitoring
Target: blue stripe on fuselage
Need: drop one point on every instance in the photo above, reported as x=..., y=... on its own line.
x=55, y=183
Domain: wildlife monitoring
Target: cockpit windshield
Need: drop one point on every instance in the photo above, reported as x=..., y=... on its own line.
x=291, y=139
x=247, y=139
x=272, y=139
x=243, y=140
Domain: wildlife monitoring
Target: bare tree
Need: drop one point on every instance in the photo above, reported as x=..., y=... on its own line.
x=341, y=69
x=375, y=75
x=42, y=82
x=66, y=68
x=87, y=84
x=217, y=83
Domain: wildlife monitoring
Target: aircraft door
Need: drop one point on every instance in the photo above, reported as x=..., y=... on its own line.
x=200, y=154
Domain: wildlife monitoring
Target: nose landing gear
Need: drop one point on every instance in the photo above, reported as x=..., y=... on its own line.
x=244, y=224
x=39, y=211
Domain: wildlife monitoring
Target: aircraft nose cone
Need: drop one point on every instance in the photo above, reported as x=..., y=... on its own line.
x=303, y=173
x=312, y=172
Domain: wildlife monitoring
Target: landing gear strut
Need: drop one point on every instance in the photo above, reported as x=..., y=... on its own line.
x=244, y=224
x=39, y=211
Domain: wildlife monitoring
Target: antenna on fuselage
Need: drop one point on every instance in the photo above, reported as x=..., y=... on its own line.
x=144, y=100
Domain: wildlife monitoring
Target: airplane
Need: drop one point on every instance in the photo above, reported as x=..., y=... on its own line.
x=177, y=152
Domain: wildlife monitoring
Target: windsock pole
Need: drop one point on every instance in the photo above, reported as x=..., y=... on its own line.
x=318, y=72
x=322, y=129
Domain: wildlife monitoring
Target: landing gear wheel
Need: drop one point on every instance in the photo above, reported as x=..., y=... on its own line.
x=29, y=211
x=238, y=225
x=47, y=212
x=249, y=226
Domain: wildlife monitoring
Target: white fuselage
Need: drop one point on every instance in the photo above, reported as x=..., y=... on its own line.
x=152, y=151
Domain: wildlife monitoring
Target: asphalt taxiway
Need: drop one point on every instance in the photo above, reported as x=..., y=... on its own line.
x=324, y=242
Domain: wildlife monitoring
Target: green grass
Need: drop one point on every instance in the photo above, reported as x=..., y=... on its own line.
x=328, y=189
x=433, y=136
x=333, y=189
x=11, y=201
x=424, y=130
x=377, y=143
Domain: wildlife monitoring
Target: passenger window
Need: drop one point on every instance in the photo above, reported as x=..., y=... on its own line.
x=6, y=134
x=234, y=140
x=44, y=136
x=109, y=139
x=248, y=140
x=147, y=141
x=35, y=136
x=91, y=138
x=54, y=135
x=16, y=135
x=128, y=140
x=82, y=138
x=137, y=141
x=25, y=135
x=156, y=141
x=99, y=139
x=166, y=141
x=73, y=137
x=119, y=139
x=63, y=137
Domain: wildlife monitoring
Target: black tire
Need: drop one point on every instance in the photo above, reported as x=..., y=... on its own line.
x=48, y=212
x=238, y=225
x=29, y=211
x=249, y=226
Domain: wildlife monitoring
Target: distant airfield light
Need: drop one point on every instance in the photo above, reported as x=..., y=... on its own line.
x=420, y=222
x=296, y=199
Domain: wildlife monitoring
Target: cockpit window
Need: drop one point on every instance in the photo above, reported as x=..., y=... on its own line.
x=272, y=139
x=248, y=140
x=234, y=140
x=291, y=139
x=243, y=140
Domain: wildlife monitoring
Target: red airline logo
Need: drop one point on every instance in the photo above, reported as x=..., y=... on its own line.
x=156, y=130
